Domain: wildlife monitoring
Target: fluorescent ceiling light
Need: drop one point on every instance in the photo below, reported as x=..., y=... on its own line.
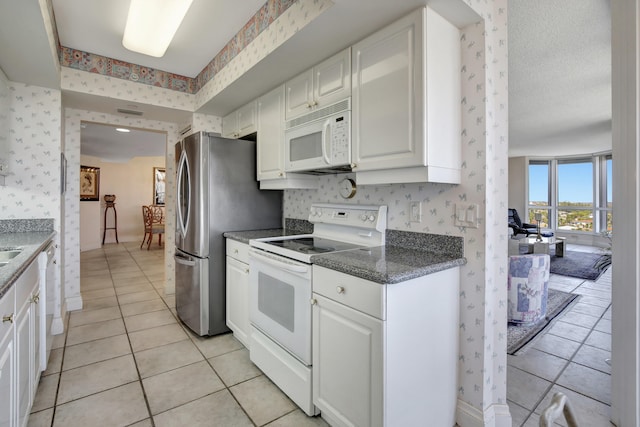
x=123, y=130
x=151, y=25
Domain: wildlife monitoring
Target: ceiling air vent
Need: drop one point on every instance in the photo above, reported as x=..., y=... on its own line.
x=129, y=112
x=186, y=130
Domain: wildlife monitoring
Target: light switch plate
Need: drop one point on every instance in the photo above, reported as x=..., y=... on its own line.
x=466, y=215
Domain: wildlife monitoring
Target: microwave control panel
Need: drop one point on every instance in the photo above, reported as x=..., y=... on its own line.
x=340, y=131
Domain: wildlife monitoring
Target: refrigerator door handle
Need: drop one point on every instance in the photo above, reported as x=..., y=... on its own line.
x=184, y=261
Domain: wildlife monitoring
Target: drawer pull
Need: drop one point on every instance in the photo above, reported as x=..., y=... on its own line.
x=8, y=318
x=313, y=301
x=246, y=270
x=35, y=298
x=340, y=289
x=235, y=251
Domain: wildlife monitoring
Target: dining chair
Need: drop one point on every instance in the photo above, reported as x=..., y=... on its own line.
x=153, y=217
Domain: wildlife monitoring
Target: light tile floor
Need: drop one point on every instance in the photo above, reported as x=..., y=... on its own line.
x=125, y=359
x=569, y=358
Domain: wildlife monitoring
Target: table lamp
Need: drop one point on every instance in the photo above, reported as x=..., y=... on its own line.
x=538, y=218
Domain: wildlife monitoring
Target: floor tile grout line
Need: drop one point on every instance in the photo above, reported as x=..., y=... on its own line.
x=135, y=360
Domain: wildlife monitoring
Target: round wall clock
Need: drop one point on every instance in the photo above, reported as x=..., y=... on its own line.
x=347, y=188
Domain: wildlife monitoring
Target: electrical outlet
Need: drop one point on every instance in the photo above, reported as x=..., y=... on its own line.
x=415, y=211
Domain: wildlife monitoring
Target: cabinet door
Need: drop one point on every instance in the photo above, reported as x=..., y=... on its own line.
x=270, y=145
x=24, y=357
x=36, y=340
x=299, y=94
x=230, y=125
x=7, y=359
x=247, y=119
x=388, y=97
x=332, y=79
x=238, y=299
x=347, y=364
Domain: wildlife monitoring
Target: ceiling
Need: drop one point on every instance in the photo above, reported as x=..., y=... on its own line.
x=105, y=142
x=559, y=58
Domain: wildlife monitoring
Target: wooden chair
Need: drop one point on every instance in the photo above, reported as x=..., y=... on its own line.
x=153, y=217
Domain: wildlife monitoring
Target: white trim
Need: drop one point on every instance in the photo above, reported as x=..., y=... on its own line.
x=74, y=303
x=496, y=415
x=625, y=355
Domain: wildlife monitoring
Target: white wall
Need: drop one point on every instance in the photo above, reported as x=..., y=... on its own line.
x=132, y=184
x=518, y=184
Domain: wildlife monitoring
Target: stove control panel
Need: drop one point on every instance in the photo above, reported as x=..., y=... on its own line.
x=359, y=216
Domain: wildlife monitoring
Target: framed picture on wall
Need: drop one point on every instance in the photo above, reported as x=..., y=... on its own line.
x=159, y=176
x=89, y=183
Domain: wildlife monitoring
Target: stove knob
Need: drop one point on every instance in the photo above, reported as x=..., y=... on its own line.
x=372, y=218
x=363, y=217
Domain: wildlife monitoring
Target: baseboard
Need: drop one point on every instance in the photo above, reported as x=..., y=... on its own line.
x=74, y=303
x=496, y=415
x=57, y=324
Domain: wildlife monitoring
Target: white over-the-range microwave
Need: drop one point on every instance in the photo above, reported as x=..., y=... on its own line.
x=320, y=142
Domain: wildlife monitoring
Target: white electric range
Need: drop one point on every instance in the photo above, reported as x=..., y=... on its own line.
x=280, y=290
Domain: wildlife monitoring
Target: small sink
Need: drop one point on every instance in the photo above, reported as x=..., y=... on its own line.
x=6, y=255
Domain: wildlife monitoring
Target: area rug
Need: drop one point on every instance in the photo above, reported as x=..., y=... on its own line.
x=520, y=336
x=583, y=265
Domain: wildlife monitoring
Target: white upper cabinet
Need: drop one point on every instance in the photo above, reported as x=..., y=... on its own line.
x=325, y=84
x=406, y=115
x=270, y=146
x=241, y=122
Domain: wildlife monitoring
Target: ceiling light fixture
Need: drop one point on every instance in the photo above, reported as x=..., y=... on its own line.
x=151, y=25
x=124, y=130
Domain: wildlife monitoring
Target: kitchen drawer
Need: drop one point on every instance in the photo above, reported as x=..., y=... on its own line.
x=7, y=311
x=25, y=284
x=238, y=250
x=362, y=295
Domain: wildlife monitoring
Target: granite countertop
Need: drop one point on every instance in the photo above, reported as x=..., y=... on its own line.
x=388, y=264
x=406, y=255
x=31, y=243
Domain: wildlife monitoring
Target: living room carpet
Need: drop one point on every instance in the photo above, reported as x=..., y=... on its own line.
x=520, y=336
x=583, y=265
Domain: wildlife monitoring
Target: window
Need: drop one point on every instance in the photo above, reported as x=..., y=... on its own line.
x=573, y=194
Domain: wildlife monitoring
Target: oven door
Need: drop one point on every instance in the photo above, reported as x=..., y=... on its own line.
x=279, y=294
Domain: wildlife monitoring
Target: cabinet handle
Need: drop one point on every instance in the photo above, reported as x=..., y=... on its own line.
x=246, y=270
x=8, y=318
x=353, y=166
x=280, y=174
x=314, y=103
x=35, y=298
x=340, y=289
x=313, y=301
x=235, y=251
x=309, y=105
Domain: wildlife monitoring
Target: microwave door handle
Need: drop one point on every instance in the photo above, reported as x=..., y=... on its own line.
x=326, y=141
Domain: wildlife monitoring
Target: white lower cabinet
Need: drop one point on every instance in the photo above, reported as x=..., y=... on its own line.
x=19, y=349
x=7, y=359
x=237, y=303
x=385, y=355
x=347, y=364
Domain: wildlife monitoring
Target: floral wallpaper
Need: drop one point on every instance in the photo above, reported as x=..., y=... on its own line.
x=32, y=189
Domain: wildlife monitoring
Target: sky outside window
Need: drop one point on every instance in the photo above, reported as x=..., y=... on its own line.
x=539, y=184
x=575, y=182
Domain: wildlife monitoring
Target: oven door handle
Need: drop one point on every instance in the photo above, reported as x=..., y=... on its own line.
x=288, y=266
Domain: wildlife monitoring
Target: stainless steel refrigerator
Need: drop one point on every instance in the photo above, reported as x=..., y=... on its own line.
x=217, y=192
